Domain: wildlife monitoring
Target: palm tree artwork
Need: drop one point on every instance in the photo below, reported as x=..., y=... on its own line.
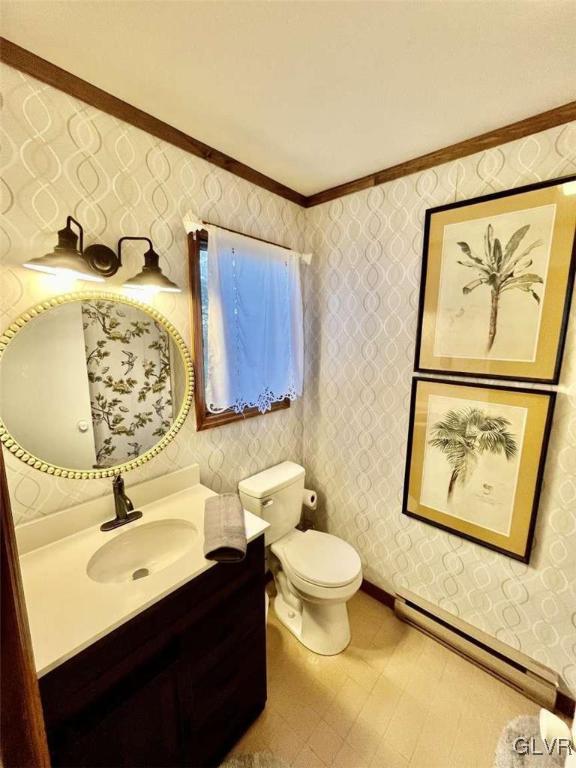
x=501, y=269
x=463, y=435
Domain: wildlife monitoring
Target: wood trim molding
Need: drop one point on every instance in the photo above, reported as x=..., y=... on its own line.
x=23, y=738
x=565, y=704
x=384, y=597
x=518, y=130
x=43, y=70
x=204, y=418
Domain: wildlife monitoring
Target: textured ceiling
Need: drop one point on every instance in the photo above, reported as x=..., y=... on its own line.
x=314, y=94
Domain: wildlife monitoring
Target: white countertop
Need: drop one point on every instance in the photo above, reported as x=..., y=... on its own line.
x=68, y=611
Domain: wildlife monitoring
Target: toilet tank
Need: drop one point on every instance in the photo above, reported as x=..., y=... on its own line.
x=275, y=495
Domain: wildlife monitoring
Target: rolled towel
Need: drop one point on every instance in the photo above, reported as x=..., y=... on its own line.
x=224, y=532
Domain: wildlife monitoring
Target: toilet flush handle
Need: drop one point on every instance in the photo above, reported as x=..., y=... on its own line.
x=267, y=503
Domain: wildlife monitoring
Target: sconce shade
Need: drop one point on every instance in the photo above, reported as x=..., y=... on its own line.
x=151, y=276
x=65, y=259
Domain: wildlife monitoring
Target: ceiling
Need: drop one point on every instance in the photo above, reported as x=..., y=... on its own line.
x=314, y=94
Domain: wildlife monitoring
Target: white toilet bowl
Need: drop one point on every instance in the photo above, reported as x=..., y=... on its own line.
x=315, y=573
x=316, y=576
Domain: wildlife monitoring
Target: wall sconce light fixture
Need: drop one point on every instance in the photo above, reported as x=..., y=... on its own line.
x=98, y=261
x=151, y=276
x=95, y=263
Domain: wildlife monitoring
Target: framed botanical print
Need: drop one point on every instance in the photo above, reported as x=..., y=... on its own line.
x=475, y=460
x=497, y=279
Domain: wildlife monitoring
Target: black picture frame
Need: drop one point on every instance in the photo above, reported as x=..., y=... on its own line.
x=554, y=379
x=549, y=394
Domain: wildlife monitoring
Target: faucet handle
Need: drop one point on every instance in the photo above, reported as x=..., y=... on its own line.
x=125, y=511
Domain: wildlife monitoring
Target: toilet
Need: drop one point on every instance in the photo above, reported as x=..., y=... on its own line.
x=315, y=573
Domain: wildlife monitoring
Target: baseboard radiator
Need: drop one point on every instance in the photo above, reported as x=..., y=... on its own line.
x=512, y=667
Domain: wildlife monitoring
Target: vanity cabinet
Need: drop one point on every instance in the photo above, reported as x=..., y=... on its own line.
x=176, y=685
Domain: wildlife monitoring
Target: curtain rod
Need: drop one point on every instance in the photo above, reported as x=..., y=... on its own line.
x=253, y=237
x=193, y=223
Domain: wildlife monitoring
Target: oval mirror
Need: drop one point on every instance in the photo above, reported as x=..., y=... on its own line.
x=92, y=384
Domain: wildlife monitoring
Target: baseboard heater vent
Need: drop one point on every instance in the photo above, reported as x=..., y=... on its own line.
x=512, y=667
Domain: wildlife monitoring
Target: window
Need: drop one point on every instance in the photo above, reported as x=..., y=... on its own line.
x=247, y=321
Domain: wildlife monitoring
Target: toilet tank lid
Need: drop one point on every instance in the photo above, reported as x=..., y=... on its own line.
x=271, y=480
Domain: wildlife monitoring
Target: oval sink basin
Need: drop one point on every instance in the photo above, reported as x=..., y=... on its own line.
x=142, y=551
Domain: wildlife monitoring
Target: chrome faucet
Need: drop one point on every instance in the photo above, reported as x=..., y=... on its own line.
x=125, y=512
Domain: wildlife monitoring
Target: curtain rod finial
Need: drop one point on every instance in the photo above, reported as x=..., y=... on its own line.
x=192, y=222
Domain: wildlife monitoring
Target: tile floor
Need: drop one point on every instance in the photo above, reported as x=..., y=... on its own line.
x=394, y=698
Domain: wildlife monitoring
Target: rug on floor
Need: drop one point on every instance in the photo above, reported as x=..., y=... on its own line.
x=255, y=760
x=526, y=728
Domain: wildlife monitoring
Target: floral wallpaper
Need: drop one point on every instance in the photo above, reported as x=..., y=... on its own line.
x=361, y=296
x=58, y=157
x=129, y=377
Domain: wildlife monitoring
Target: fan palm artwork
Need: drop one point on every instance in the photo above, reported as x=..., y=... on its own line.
x=463, y=435
x=475, y=457
x=501, y=269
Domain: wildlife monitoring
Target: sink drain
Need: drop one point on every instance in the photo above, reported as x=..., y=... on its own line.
x=140, y=573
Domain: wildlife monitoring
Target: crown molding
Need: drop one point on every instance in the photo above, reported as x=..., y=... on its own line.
x=43, y=70
x=541, y=122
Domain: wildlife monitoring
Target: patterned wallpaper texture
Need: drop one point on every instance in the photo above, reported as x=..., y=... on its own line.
x=362, y=298
x=60, y=156
x=129, y=376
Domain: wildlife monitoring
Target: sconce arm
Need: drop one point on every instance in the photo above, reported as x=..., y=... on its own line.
x=123, y=239
x=72, y=220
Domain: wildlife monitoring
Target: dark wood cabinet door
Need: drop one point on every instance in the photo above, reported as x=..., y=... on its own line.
x=227, y=698
x=222, y=677
x=142, y=729
x=175, y=686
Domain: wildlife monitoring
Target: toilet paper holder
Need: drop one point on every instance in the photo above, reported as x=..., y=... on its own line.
x=309, y=498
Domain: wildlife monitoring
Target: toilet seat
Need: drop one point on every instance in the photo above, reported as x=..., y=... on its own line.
x=319, y=558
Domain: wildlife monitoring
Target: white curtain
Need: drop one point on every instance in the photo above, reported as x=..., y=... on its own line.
x=255, y=333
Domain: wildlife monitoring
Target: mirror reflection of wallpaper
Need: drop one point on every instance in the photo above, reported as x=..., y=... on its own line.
x=62, y=157
x=360, y=319
x=129, y=377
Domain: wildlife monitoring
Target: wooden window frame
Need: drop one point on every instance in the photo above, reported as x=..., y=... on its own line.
x=204, y=418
